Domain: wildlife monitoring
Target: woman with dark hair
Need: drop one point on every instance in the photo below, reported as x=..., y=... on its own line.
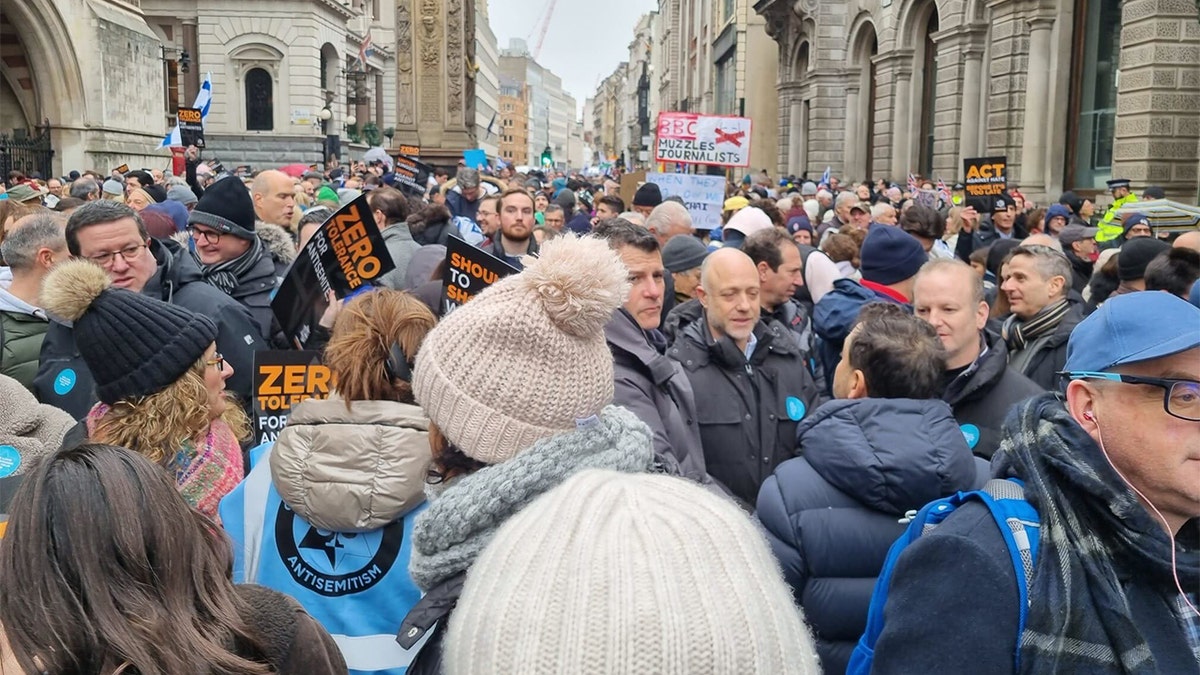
x=335, y=497
x=107, y=570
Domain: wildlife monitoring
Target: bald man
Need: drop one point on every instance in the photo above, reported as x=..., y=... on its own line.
x=1043, y=240
x=755, y=382
x=1188, y=240
x=274, y=197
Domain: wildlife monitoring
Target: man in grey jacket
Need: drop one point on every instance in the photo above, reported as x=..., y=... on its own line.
x=389, y=208
x=648, y=383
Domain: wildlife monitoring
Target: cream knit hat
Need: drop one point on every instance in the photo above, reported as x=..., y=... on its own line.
x=526, y=358
x=617, y=573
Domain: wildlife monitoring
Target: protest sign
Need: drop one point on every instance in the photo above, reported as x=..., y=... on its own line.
x=986, y=177
x=342, y=257
x=410, y=150
x=243, y=171
x=191, y=127
x=704, y=196
x=469, y=270
x=630, y=182
x=927, y=198
x=702, y=139
x=412, y=175
x=123, y=169
x=282, y=379
x=475, y=159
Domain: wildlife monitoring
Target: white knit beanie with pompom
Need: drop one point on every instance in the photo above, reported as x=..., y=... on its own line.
x=526, y=358
x=631, y=574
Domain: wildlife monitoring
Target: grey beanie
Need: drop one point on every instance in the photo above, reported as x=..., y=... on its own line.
x=182, y=194
x=683, y=252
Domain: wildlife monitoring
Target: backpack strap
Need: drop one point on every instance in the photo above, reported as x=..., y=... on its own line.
x=1021, y=528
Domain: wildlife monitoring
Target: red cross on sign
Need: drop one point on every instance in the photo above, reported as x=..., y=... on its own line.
x=726, y=137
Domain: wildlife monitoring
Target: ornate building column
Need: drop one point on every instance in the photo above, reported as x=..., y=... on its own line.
x=1033, y=145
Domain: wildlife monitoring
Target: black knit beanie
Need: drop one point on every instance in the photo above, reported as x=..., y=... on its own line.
x=648, y=194
x=1136, y=254
x=134, y=345
x=226, y=207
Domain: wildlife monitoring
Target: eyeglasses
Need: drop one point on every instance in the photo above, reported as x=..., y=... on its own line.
x=217, y=360
x=129, y=253
x=1181, y=398
x=211, y=237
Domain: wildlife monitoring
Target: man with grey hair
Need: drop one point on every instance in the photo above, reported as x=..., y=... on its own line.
x=1043, y=240
x=841, y=216
x=883, y=213
x=33, y=245
x=979, y=384
x=669, y=219
x=86, y=189
x=633, y=217
x=464, y=202
x=825, y=200
x=1037, y=281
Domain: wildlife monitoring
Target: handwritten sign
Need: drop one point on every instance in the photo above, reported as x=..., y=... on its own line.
x=342, y=257
x=986, y=179
x=282, y=379
x=704, y=196
x=191, y=127
x=703, y=139
x=469, y=270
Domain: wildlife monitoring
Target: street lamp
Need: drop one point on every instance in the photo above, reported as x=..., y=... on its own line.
x=325, y=114
x=351, y=120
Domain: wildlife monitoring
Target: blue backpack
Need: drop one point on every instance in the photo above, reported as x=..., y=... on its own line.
x=1019, y=525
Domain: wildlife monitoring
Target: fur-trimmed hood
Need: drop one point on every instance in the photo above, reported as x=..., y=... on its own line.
x=278, y=241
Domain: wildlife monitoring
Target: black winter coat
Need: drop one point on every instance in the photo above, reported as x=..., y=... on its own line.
x=747, y=410
x=254, y=291
x=178, y=282
x=832, y=513
x=984, y=393
x=431, y=613
x=1051, y=354
x=952, y=607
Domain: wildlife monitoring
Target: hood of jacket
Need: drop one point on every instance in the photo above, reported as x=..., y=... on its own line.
x=680, y=316
x=835, y=314
x=10, y=302
x=279, y=242
x=352, y=470
x=892, y=455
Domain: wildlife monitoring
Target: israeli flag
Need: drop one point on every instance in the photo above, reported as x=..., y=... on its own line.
x=825, y=177
x=203, y=102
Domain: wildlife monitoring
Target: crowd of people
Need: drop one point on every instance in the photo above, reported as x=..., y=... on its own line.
x=772, y=447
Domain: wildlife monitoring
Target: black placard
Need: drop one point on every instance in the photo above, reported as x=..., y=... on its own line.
x=282, y=379
x=986, y=178
x=191, y=127
x=469, y=270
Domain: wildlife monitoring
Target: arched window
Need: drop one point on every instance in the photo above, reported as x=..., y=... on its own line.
x=260, y=104
x=928, y=95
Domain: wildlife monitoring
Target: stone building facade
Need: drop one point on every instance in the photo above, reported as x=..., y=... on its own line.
x=514, y=122
x=90, y=72
x=1073, y=92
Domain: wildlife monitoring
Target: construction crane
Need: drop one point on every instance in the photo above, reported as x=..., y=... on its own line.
x=541, y=27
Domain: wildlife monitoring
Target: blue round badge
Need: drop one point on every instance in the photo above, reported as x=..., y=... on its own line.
x=971, y=433
x=10, y=460
x=64, y=382
x=795, y=409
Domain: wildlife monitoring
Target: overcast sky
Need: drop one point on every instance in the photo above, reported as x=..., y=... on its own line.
x=586, y=40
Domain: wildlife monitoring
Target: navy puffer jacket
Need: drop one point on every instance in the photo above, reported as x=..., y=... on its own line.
x=832, y=513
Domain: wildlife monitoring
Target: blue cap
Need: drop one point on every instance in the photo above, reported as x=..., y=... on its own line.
x=1131, y=328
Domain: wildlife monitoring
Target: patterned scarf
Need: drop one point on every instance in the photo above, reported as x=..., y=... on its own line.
x=225, y=275
x=1079, y=618
x=1017, y=334
x=205, y=470
x=461, y=521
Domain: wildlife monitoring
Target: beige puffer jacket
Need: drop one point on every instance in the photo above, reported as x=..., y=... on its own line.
x=352, y=470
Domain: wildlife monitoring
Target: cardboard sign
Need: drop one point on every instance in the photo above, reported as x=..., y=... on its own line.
x=123, y=169
x=629, y=185
x=412, y=175
x=703, y=139
x=704, y=196
x=410, y=150
x=282, y=379
x=928, y=198
x=986, y=177
x=475, y=159
x=191, y=127
x=469, y=270
x=343, y=257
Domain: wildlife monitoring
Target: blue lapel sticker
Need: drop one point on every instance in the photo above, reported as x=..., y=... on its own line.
x=64, y=382
x=971, y=433
x=10, y=460
x=795, y=409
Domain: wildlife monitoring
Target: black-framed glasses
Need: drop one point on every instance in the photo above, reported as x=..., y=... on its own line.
x=1181, y=398
x=217, y=360
x=129, y=253
x=211, y=237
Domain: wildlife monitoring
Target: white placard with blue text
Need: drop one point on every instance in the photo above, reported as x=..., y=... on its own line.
x=704, y=196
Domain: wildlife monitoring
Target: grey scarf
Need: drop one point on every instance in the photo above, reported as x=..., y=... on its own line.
x=1079, y=618
x=225, y=275
x=461, y=521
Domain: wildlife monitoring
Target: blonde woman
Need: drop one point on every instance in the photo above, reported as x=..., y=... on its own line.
x=138, y=199
x=159, y=378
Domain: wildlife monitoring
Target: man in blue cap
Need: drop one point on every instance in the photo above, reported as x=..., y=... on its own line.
x=1112, y=469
